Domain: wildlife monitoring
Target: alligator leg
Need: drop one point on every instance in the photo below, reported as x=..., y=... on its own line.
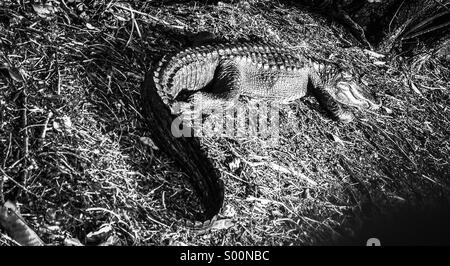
x=329, y=104
x=223, y=94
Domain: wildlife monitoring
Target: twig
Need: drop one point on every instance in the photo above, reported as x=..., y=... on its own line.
x=59, y=79
x=9, y=240
x=395, y=15
x=441, y=4
x=137, y=27
x=436, y=182
x=143, y=14
x=235, y=177
x=44, y=131
x=2, y=197
x=275, y=167
x=3, y=173
x=132, y=30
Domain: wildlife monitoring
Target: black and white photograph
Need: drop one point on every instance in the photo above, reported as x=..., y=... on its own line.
x=245, y=124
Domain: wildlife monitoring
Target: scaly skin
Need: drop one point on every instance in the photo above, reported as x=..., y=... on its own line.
x=186, y=152
x=255, y=70
x=228, y=71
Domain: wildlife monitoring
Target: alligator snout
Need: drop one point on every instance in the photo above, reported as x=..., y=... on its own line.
x=349, y=93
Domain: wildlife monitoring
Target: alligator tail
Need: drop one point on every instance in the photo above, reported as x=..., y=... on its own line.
x=185, y=151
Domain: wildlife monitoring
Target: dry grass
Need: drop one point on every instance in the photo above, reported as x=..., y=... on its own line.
x=83, y=66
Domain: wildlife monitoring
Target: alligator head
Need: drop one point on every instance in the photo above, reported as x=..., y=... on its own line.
x=347, y=90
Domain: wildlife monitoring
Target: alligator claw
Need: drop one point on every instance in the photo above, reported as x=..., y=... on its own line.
x=346, y=117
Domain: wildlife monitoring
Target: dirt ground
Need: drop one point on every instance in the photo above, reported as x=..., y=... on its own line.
x=91, y=174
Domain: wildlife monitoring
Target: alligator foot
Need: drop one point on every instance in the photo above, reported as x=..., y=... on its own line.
x=345, y=117
x=330, y=104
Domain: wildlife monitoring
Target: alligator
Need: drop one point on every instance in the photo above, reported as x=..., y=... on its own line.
x=216, y=76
